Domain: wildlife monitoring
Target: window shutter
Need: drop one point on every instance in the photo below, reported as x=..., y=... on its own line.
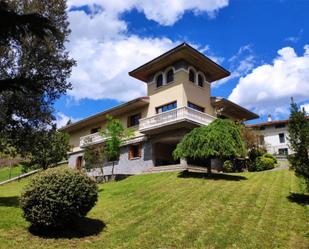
x=140, y=150
x=130, y=152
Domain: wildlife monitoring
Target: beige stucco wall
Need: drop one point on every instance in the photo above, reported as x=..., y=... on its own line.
x=182, y=91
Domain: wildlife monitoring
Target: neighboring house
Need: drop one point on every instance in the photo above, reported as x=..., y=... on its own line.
x=178, y=100
x=275, y=136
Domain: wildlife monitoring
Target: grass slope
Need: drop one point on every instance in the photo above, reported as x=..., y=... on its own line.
x=173, y=210
x=5, y=172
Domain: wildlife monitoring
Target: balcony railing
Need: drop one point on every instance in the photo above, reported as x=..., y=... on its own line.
x=175, y=116
x=96, y=138
x=91, y=139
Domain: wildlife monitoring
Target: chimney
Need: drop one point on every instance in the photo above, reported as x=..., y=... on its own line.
x=269, y=118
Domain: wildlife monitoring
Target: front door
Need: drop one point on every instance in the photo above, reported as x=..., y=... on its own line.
x=79, y=161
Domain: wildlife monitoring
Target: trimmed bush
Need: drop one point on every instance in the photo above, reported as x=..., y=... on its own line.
x=264, y=163
x=268, y=155
x=228, y=166
x=255, y=153
x=57, y=197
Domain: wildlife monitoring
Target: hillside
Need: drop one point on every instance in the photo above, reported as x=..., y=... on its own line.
x=175, y=210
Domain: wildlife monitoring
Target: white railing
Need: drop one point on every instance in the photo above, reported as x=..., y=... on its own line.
x=91, y=139
x=174, y=116
x=96, y=138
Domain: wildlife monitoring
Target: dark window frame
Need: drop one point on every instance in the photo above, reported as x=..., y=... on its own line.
x=195, y=107
x=159, y=83
x=135, y=122
x=135, y=151
x=200, y=83
x=167, y=107
x=170, y=76
x=192, y=75
x=95, y=130
x=282, y=138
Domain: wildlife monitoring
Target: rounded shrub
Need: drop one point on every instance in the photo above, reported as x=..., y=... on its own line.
x=268, y=155
x=57, y=197
x=228, y=166
x=264, y=163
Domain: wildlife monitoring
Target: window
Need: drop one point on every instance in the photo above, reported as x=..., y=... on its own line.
x=280, y=126
x=94, y=130
x=262, y=128
x=166, y=107
x=159, y=80
x=134, y=120
x=191, y=75
x=283, y=151
x=281, y=138
x=196, y=107
x=135, y=151
x=170, y=76
x=200, y=80
x=79, y=162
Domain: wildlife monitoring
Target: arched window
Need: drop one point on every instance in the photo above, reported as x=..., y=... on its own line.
x=191, y=75
x=200, y=80
x=170, y=76
x=159, y=80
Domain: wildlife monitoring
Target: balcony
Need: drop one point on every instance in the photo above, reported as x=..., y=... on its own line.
x=180, y=117
x=91, y=139
x=96, y=138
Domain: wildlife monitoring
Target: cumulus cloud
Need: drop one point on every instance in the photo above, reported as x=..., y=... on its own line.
x=164, y=12
x=105, y=51
x=269, y=87
x=62, y=119
x=306, y=107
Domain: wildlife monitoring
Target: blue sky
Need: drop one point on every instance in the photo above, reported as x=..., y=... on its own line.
x=265, y=45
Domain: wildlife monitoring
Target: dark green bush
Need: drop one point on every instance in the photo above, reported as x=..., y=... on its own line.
x=263, y=163
x=228, y=166
x=58, y=196
x=255, y=152
x=268, y=155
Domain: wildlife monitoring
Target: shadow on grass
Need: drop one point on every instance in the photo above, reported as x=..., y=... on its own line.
x=79, y=229
x=213, y=176
x=9, y=201
x=300, y=199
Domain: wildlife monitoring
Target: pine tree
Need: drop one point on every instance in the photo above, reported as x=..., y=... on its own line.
x=298, y=128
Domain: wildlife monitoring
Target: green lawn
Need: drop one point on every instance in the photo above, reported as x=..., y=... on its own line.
x=172, y=210
x=5, y=173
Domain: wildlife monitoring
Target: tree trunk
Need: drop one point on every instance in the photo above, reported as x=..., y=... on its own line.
x=113, y=177
x=209, y=169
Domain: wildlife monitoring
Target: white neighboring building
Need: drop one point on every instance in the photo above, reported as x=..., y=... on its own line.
x=275, y=134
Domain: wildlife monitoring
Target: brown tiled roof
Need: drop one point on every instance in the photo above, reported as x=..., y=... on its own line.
x=104, y=113
x=269, y=123
x=233, y=109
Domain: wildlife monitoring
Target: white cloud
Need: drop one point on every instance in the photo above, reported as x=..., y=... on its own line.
x=62, y=119
x=103, y=67
x=164, y=12
x=105, y=51
x=306, y=107
x=269, y=87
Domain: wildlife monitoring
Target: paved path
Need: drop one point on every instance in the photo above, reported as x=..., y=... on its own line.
x=283, y=165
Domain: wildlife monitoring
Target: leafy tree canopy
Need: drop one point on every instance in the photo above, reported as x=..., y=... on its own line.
x=34, y=67
x=220, y=139
x=298, y=128
x=49, y=148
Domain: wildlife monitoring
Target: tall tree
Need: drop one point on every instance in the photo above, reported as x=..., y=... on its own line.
x=298, y=128
x=115, y=134
x=220, y=139
x=34, y=67
x=49, y=148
